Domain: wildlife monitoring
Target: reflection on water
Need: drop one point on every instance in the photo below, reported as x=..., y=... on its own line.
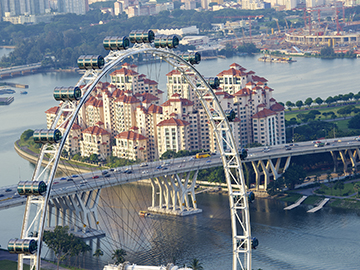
x=293, y=239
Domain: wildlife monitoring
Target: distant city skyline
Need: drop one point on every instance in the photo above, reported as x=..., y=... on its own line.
x=38, y=7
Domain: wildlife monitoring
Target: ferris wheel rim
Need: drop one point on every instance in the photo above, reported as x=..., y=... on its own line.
x=97, y=76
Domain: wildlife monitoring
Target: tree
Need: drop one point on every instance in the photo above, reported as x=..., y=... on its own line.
x=196, y=265
x=345, y=110
x=319, y=101
x=308, y=101
x=94, y=158
x=299, y=104
x=354, y=122
x=289, y=104
x=327, y=52
x=329, y=100
x=26, y=135
x=64, y=243
x=294, y=175
x=98, y=253
x=118, y=256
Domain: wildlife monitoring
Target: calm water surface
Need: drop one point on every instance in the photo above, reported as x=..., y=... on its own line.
x=288, y=240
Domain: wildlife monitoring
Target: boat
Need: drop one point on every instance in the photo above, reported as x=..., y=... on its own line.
x=23, y=92
x=268, y=58
x=144, y=214
x=6, y=91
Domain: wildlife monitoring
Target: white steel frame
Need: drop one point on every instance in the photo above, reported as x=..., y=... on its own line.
x=35, y=209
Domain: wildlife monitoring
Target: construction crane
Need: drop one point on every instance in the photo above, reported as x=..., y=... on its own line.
x=338, y=27
x=277, y=23
x=287, y=26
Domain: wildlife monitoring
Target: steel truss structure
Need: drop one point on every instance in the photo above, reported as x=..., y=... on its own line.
x=36, y=206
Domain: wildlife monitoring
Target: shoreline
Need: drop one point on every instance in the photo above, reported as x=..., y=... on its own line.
x=33, y=157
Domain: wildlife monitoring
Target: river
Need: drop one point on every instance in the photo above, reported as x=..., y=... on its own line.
x=293, y=239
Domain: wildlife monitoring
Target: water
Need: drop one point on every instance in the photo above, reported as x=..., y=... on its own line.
x=288, y=240
x=5, y=51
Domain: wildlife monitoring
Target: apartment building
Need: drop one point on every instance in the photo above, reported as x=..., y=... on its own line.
x=95, y=140
x=127, y=119
x=130, y=145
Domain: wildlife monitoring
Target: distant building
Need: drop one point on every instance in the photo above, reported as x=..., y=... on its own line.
x=194, y=40
x=130, y=145
x=95, y=140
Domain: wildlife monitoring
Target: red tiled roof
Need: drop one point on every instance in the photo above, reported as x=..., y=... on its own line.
x=127, y=99
x=130, y=135
x=173, y=72
x=243, y=92
x=52, y=110
x=259, y=79
x=155, y=109
x=277, y=107
x=264, y=113
x=149, y=96
x=173, y=122
x=225, y=94
x=232, y=71
x=184, y=102
x=124, y=71
x=92, y=101
x=150, y=82
x=96, y=131
x=99, y=123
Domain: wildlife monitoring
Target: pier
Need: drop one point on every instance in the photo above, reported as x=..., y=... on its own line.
x=298, y=202
x=321, y=205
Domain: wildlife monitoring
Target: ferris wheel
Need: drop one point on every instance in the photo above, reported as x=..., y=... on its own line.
x=40, y=189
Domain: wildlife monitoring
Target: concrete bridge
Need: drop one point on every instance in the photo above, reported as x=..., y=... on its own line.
x=174, y=175
x=74, y=199
x=19, y=70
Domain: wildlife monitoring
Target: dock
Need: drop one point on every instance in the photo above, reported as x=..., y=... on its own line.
x=321, y=204
x=296, y=204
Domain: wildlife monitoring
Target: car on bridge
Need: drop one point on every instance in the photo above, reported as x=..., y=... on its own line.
x=95, y=176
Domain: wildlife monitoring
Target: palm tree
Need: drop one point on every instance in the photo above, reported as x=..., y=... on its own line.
x=118, y=256
x=98, y=253
x=196, y=265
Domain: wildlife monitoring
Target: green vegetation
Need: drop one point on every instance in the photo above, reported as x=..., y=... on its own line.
x=196, y=265
x=182, y=153
x=294, y=175
x=291, y=197
x=64, y=244
x=26, y=139
x=10, y=265
x=328, y=52
x=59, y=43
x=119, y=256
x=345, y=204
x=312, y=200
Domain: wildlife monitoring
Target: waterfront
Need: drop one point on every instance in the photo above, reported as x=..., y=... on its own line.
x=288, y=240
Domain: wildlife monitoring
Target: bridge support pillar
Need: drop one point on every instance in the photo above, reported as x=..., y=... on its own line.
x=334, y=157
x=174, y=194
x=342, y=154
x=257, y=174
x=81, y=210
